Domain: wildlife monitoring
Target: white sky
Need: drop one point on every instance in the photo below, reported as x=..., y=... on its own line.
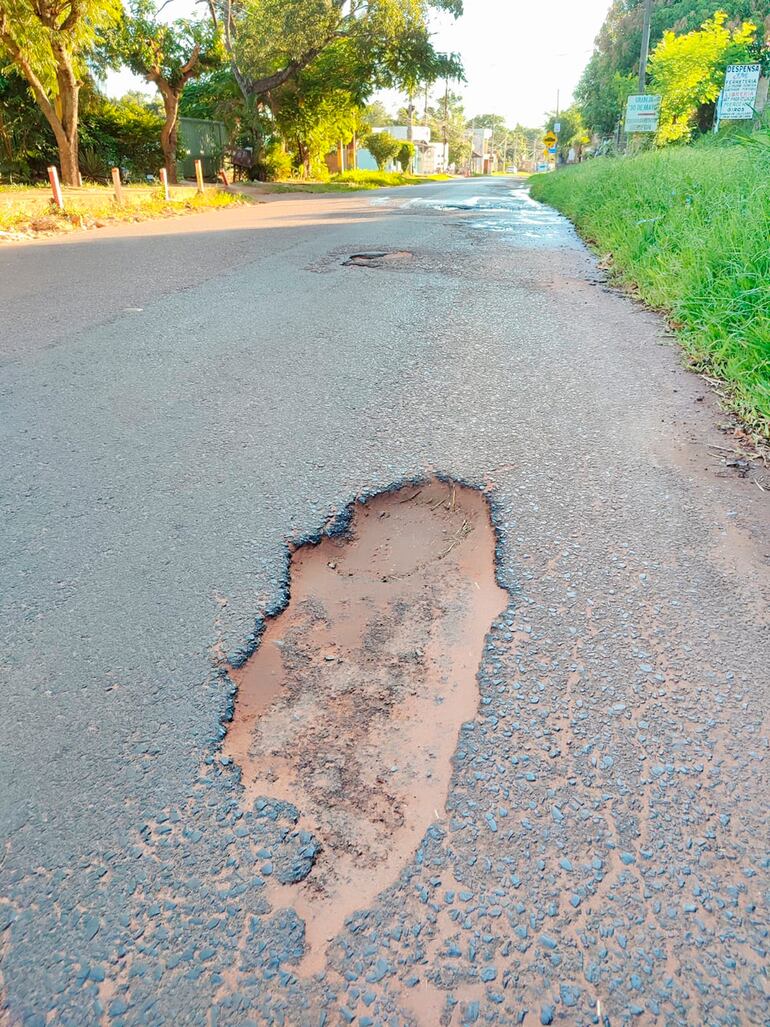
x=516, y=53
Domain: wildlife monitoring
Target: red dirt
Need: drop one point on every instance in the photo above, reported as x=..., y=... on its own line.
x=351, y=706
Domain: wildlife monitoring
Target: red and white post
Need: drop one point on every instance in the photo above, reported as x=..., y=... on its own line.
x=164, y=183
x=199, y=175
x=53, y=178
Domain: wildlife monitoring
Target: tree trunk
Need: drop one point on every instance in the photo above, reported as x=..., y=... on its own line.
x=69, y=94
x=168, y=137
x=68, y=159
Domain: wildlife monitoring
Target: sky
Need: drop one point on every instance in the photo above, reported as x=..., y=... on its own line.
x=517, y=53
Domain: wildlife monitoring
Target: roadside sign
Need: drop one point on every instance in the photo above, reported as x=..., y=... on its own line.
x=552, y=149
x=739, y=95
x=550, y=139
x=643, y=113
x=557, y=127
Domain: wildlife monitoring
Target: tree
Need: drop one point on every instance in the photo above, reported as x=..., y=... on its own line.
x=270, y=41
x=572, y=132
x=405, y=155
x=376, y=114
x=169, y=56
x=447, y=124
x=383, y=147
x=688, y=71
x=47, y=42
x=321, y=107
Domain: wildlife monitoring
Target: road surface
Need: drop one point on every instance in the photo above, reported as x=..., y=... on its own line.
x=181, y=398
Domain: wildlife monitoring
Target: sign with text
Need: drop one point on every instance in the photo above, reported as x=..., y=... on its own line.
x=740, y=92
x=643, y=113
x=549, y=139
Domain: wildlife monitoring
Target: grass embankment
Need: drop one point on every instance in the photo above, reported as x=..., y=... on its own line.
x=29, y=211
x=689, y=230
x=352, y=181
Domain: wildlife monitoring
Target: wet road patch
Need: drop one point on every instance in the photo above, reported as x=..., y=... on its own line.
x=351, y=706
x=515, y=214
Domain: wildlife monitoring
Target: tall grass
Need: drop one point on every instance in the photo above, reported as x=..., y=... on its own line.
x=690, y=229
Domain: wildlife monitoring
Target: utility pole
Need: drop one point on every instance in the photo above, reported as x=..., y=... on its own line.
x=644, y=56
x=446, y=123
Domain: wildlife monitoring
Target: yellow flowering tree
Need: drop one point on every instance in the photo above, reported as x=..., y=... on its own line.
x=688, y=71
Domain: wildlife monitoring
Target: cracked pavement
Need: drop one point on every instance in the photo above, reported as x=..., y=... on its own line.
x=180, y=399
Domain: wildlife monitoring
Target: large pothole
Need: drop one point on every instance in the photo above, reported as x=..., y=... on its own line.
x=350, y=708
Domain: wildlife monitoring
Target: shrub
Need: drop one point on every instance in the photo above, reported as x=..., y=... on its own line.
x=405, y=155
x=383, y=147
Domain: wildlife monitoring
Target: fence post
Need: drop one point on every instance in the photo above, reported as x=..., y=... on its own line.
x=117, y=185
x=199, y=175
x=53, y=177
x=164, y=183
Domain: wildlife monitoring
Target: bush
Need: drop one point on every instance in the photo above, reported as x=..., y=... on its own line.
x=121, y=134
x=689, y=228
x=383, y=147
x=405, y=155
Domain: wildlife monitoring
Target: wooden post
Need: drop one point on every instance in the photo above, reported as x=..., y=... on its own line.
x=80, y=180
x=164, y=183
x=53, y=178
x=199, y=175
x=117, y=185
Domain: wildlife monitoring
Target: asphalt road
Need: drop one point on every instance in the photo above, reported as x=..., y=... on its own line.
x=179, y=398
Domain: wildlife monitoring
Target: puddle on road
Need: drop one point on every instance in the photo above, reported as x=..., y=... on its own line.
x=516, y=214
x=351, y=706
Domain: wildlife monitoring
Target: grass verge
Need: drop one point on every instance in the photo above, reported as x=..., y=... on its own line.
x=30, y=212
x=353, y=181
x=689, y=231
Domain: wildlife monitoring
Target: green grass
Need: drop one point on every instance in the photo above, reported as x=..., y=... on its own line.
x=689, y=229
x=354, y=181
x=30, y=211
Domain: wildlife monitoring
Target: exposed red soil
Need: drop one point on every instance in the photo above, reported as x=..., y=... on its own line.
x=352, y=704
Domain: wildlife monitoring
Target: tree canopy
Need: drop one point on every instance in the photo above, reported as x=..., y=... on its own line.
x=271, y=41
x=47, y=42
x=611, y=73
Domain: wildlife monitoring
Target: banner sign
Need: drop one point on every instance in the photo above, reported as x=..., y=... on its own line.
x=740, y=92
x=643, y=113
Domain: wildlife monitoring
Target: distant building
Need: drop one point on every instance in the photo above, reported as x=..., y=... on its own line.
x=430, y=158
x=481, y=158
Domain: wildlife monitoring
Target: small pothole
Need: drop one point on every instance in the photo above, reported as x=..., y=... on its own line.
x=377, y=258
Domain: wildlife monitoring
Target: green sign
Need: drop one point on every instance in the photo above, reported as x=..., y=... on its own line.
x=643, y=113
